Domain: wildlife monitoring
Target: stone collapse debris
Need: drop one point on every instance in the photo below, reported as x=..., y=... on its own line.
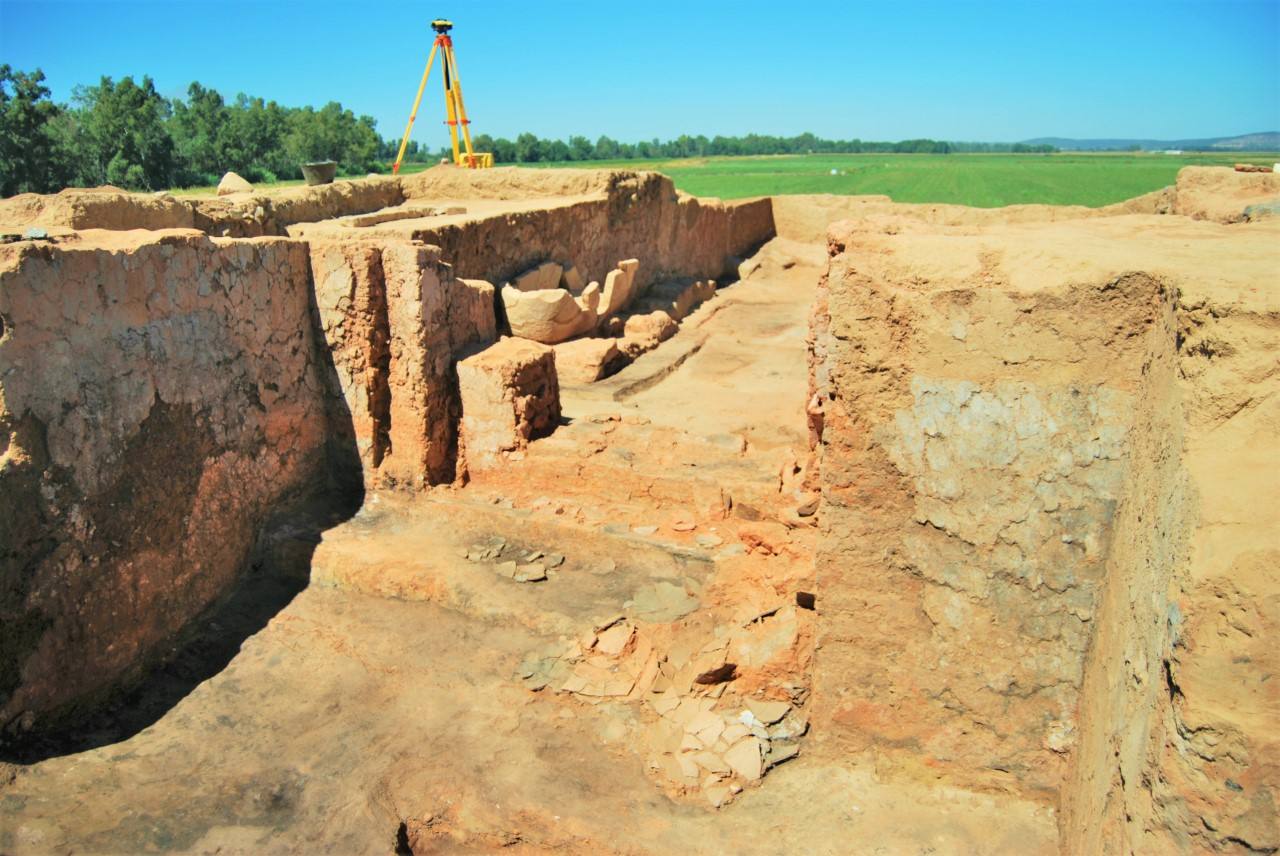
x=548, y=304
x=705, y=739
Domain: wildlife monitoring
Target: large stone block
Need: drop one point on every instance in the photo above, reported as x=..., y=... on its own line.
x=587, y=360
x=510, y=395
x=620, y=287
x=544, y=276
x=550, y=315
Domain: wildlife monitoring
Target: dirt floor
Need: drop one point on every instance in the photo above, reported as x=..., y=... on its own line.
x=383, y=702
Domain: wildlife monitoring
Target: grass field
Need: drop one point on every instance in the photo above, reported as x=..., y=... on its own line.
x=982, y=180
x=967, y=179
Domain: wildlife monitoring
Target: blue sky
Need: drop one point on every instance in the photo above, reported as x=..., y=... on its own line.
x=880, y=70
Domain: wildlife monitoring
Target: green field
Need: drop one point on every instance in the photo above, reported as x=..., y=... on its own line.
x=966, y=179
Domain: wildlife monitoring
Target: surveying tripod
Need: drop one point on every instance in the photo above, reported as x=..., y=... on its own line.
x=455, y=112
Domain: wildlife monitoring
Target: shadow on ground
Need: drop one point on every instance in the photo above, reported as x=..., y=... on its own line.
x=278, y=569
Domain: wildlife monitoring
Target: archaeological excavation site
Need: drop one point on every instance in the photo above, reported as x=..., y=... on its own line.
x=556, y=511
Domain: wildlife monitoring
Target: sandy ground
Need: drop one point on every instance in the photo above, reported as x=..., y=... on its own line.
x=383, y=708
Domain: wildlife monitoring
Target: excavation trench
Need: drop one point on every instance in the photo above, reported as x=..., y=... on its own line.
x=922, y=515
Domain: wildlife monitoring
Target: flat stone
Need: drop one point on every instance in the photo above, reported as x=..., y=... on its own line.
x=789, y=728
x=768, y=712
x=665, y=703
x=744, y=759
x=712, y=732
x=717, y=795
x=705, y=721
x=663, y=601
x=644, y=530
x=506, y=569
x=688, y=768
x=615, y=639
x=606, y=621
x=713, y=763
x=587, y=360
x=779, y=753
x=686, y=710
x=529, y=573
x=553, y=560
x=708, y=540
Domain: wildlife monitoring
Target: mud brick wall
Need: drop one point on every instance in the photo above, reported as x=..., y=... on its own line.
x=972, y=461
x=639, y=216
x=160, y=394
x=396, y=320
x=1178, y=750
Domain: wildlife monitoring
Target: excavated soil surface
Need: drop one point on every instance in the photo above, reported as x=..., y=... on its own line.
x=932, y=530
x=390, y=704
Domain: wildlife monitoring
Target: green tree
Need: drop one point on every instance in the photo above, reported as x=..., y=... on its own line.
x=580, y=148
x=122, y=137
x=333, y=133
x=606, y=148
x=198, y=127
x=254, y=140
x=528, y=149
x=32, y=155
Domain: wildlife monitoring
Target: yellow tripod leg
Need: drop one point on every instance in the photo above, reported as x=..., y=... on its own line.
x=404, y=143
x=462, y=110
x=451, y=108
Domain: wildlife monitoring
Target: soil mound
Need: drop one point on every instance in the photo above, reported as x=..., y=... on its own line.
x=512, y=182
x=1221, y=194
x=806, y=217
x=103, y=207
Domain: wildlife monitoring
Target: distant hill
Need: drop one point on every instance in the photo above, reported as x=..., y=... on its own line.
x=1263, y=141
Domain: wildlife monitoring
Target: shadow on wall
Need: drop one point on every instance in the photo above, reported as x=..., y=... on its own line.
x=278, y=570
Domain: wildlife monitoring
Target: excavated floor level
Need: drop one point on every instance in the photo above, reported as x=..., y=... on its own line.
x=932, y=530
x=392, y=696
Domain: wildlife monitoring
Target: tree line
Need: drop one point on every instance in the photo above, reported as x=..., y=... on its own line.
x=126, y=134
x=528, y=148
